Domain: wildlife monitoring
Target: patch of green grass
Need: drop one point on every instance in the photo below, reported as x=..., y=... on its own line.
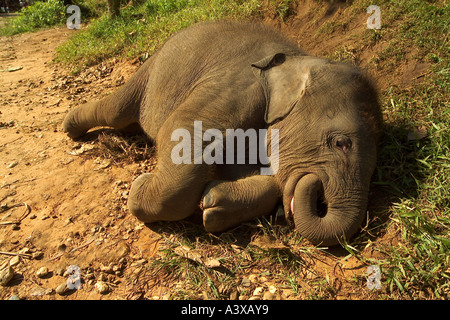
x=141, y=29
x=281, y=8
x=413, y=170
x=46, y=14
x=37, y=16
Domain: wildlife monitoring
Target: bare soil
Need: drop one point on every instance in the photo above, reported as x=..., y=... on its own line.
x=66, y=200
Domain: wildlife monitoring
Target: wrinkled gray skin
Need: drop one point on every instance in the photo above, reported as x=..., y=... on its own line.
x=239, y=75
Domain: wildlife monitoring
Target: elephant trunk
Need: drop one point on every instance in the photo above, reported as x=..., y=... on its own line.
x=324, y=223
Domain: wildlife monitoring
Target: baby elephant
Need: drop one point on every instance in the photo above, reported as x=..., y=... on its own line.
x=215, y=86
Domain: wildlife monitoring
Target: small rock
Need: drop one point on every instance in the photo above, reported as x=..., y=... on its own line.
x=25, y=250
x=253, y=278
x=254, y=298
x=59, y=271
x=102, y=287
x=258, y=291
x=246, y=282
x=41, y=292
x=139, y=262
x=107, y=269
x=13, y=164
x=268, y=296
x=42, y=272
x=234, y=295
x=6, y=274
x=287, y=293
x=62, y=288
x=14, y=297
x=14, y=261
x=89, y=276
x=37, y=255
x=102, y=277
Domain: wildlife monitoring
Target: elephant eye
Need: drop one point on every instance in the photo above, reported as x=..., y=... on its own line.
x=340, y=142
x=343, y=142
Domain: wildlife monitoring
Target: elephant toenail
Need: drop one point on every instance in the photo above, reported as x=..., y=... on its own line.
x=208, y=200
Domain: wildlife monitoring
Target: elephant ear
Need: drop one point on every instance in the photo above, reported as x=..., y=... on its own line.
x=284, y=84
x=270, y=61
x=285, y=79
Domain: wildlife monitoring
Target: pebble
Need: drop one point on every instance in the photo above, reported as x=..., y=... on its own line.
x=102, y=287
x=25, y=250
x=62, y=288
x=258, y=291
x=139, y=262
x=13, y=164
x=102, y=277
x=42, y=272
x=59, y=271
x=245, y=282
x=89, y=276
x=6, y=274
x=14, y=261
x=37, y=255
x=234, y=295
x=107, y=269
x=253, y=278
x=268, y=296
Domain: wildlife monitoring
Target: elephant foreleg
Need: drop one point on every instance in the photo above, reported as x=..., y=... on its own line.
x=229, y=203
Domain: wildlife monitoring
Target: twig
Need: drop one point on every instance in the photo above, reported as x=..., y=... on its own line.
x=24, y=255
x=1, y=146
x=88, y=242
x=423, y=74
x=56, y=257
x=8, y=184
x=24, y=215
x=5, y=223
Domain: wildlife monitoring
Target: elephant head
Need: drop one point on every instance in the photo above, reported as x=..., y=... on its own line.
x=328, y=118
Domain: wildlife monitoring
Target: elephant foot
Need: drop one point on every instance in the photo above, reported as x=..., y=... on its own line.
x=219, y=211
x=229, y=203
x=136, y=198
x=152, y=198
x=70, y=127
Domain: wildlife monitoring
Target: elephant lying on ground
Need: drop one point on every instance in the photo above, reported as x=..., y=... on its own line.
x=217, y=76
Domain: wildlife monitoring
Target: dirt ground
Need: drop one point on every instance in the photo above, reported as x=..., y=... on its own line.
x=72, y=201
x=60, y=207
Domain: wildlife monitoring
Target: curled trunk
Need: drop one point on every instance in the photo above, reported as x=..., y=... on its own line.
x=320, y=223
